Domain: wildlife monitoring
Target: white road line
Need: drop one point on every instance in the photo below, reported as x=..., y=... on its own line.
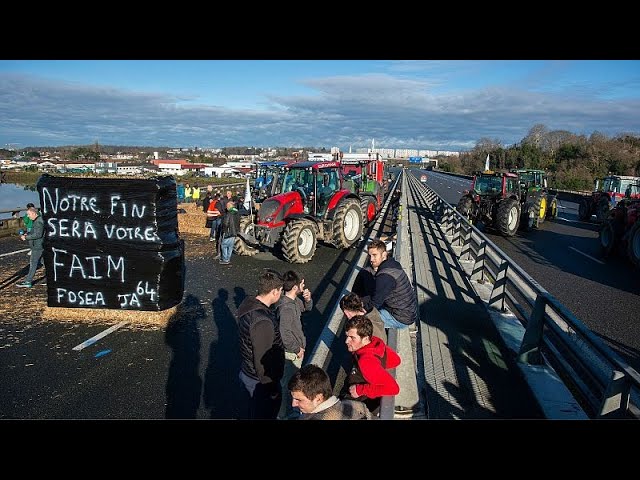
x=97, y=337
x=17, y=251
x=588, y=256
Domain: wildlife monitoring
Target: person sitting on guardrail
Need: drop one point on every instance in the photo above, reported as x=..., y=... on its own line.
x=368, y=380
x=351, y=305
x=312, y=394
x=393, y=294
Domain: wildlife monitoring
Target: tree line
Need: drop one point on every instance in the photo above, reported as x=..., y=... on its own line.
x=572, y=161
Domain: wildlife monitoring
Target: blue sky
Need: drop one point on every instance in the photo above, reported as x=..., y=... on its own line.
x=438, y=105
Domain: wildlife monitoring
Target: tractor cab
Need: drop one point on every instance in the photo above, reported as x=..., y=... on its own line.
x=489, y=183
x=315, y=182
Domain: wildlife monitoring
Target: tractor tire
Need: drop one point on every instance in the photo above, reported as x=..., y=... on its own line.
x=508, y=217
x=347, y=224
x=552, y=211
x=529, y=219
x=369, y=208
x=299, y=241
x=240, y=247
x=465, y=208
x=602, y=209
x=541, y=206
x=584, y=209
x=607, y=238
x=633, y=244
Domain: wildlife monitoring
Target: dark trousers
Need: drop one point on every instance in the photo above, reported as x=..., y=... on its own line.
x=265, y=402
x=36, y=255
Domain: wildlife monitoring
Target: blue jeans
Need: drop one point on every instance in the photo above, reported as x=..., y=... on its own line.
x=33, y=264
x=215, y=224
x=390, y=321
x=227, y=248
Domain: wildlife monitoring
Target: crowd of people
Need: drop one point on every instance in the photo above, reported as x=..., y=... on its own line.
x=273, y=344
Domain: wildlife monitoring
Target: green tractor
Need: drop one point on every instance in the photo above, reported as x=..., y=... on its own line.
x=493, y=201
x=537, y=203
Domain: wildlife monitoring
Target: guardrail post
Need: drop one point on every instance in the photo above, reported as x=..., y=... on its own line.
x=530, y=347
x=615, y=402
x=478, y=266
x=499, y=290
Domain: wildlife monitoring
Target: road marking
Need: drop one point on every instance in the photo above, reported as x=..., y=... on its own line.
x=17, y=251
x=588, y=256
x=97, y=337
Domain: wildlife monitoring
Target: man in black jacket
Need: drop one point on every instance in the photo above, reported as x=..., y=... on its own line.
x=393, y=294
x=261, y=347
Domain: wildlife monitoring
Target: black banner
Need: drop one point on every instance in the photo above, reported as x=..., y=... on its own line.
x=112, y=243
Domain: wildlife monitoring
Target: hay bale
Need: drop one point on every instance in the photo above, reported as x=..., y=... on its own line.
x=191, y=219
x=110, y=315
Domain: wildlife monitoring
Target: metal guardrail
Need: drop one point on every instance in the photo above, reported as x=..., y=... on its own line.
x=602, y=382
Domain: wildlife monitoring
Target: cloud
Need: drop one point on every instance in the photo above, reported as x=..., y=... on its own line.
x=397, y=111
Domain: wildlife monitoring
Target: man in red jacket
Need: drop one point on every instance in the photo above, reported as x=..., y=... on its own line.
x=369, y=379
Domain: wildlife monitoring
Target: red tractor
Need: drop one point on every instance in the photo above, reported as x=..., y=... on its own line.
x=314, y=205
x=622, y=229
x=365, y=177
x=614, y=188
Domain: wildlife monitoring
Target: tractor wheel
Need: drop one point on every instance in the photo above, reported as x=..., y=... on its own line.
x=541, y=205
x=369, y=209
x=508, y=217
x=299, y=241
x=607, y=238
x=347, y=224
x=584, y=209
x=241, y=247
x=633, y=244
x=465, y=207
x=552, y=211
x=529, y=219
x=602, y=209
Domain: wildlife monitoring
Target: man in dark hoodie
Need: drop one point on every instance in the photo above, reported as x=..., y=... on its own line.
x=261, y=347
x=393, y=295
x=368, y=379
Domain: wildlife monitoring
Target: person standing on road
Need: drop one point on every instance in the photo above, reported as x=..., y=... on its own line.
x=228, y=232
x=311, y=392
x=35, y=238
x=188, y=192
x=289, y=312
x=261, y=348
x=28, y=223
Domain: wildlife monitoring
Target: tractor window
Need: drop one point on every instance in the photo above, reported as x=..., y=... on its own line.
x=512, y=185
x=625, y=185
x=608, y=184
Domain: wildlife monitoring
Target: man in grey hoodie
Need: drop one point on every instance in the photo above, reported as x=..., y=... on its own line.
x=289, y=311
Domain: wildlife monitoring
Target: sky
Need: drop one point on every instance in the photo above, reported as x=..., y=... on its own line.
x=433, y=105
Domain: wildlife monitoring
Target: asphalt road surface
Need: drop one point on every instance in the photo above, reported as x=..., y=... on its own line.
x=564, y=257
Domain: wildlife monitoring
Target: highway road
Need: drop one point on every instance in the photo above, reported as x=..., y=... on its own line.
x=564, y=257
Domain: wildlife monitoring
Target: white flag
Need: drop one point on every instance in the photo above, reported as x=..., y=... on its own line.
x=486, y=163
x=247, y=196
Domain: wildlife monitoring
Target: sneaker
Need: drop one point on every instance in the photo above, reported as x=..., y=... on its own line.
x=211, y=239
x=23, y=284
x=222, y=262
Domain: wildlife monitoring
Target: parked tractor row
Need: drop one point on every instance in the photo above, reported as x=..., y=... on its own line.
x=314, y=201
x=506, y=201
x=606, y=196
